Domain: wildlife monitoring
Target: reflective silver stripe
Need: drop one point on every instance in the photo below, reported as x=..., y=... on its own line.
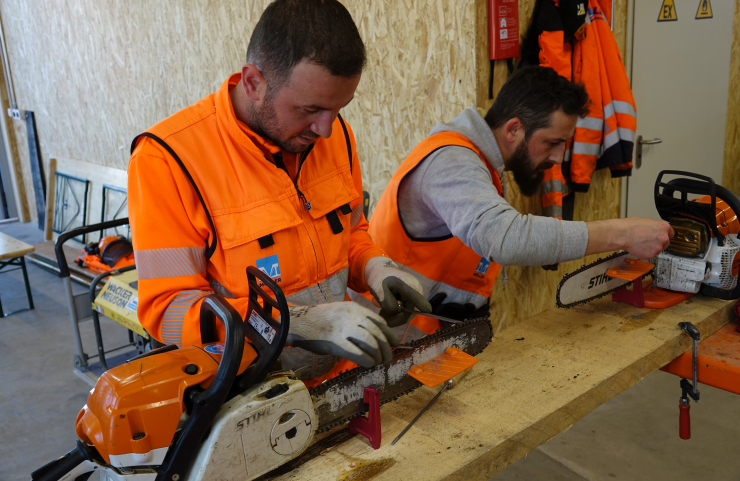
x=610, y=139
x=356, y=215
x=584, y=148
x=568, y=156
x=175, y=313
x=590, y=123
x=608, y=110
x=622, y=107
x=626, y=134
x=331, y=290
x=174, y=262
x=553, y=185
x=553, y=211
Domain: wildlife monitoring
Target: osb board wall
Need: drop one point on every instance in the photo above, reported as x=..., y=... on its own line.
x=97, y=73
x=531, y=290
x=731, y=173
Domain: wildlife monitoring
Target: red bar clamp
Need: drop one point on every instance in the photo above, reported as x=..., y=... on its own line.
x=369, y=426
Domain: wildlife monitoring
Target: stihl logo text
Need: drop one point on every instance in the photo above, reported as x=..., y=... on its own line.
x=598, y=280
x=262, y=413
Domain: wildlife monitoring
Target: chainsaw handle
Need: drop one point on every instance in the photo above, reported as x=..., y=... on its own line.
x=266, y=334
x=216, y=307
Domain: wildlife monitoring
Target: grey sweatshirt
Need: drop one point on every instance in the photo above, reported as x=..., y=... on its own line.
x=451, y=191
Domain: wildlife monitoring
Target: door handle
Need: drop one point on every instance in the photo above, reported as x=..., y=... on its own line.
x=640, y=143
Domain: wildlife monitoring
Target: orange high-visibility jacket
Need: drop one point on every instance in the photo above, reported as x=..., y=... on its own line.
x=208, y=197
x=605, y=137
x=442, y=264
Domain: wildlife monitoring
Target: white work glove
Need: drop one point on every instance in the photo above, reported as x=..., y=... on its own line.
x=391, y=286
x=344, y=329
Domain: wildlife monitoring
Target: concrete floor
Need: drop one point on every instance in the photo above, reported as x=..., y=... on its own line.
x=634, y=436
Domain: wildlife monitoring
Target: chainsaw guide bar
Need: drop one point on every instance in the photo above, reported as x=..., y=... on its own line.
x=340, y=399
x=595, y=284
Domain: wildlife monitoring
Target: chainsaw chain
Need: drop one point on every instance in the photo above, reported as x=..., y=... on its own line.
x=598, y=296
x=322, y=388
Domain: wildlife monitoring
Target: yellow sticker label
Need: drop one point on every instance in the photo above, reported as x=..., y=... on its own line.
x=704, y=10
x=667, y=12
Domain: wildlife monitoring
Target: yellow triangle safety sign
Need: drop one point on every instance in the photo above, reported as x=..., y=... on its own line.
x=704, y=10
x=667, y=12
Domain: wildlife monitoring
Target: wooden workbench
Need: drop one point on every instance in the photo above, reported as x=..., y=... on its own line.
x=533, y=381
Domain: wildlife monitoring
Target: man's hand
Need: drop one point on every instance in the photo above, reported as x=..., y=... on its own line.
x=343, y=329
x=389, y=285
x=641, y=237
x=647, y=237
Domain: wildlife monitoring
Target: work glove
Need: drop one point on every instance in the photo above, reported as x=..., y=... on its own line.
x=344, y=329
x=392, y=287
x=456, y=310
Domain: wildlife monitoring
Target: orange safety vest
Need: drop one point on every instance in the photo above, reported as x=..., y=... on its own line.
x=208, y=197
x=442, y=264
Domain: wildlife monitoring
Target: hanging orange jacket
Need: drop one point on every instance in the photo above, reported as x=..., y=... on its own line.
x=605, y=137
x=208, y=197
x=441, y=264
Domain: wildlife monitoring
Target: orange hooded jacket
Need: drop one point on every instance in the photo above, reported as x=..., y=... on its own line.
x=208, y=197
x=605, y=137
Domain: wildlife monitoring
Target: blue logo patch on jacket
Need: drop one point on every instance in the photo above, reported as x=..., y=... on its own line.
x=482, y=268
x=270, y=266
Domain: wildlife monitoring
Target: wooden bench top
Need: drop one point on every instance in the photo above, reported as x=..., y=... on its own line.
x=11, y=248
x=534, y=380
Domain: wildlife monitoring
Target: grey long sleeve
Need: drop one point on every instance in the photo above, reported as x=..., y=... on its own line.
x=451, y=192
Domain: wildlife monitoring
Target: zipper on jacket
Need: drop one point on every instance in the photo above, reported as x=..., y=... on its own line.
x=278, y=156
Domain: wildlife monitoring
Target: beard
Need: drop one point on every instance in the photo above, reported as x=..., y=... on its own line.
x=265, y=124
x=527, y=175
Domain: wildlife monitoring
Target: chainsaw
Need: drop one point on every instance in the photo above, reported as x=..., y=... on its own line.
x=703, y=256
x=214, y=412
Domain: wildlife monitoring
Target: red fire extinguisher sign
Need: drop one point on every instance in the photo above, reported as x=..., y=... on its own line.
x=503, y=28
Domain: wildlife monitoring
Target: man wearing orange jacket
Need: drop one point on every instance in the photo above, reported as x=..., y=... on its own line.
x=444, y=217
x=264, y=173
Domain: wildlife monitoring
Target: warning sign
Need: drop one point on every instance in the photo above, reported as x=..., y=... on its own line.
x=704, y=10
x=667, y=12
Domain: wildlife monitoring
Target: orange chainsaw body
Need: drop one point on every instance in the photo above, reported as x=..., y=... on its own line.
x=136, y=407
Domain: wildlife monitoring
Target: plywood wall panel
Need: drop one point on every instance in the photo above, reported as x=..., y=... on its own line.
x=98, y=73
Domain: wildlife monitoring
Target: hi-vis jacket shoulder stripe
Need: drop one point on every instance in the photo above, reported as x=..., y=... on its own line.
x=173, y=262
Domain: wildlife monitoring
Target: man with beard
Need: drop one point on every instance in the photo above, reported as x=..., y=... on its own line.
x=444, y=216
x=264, y=173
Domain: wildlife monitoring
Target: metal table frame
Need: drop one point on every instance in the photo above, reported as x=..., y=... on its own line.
x=20, y=263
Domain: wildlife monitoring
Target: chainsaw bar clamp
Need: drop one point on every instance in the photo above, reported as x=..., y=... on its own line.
x=369, y=426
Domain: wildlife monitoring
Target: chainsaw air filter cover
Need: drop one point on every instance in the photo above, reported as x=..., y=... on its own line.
x=691, y=239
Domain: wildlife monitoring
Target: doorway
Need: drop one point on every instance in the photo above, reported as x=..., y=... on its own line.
x=680, y=80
